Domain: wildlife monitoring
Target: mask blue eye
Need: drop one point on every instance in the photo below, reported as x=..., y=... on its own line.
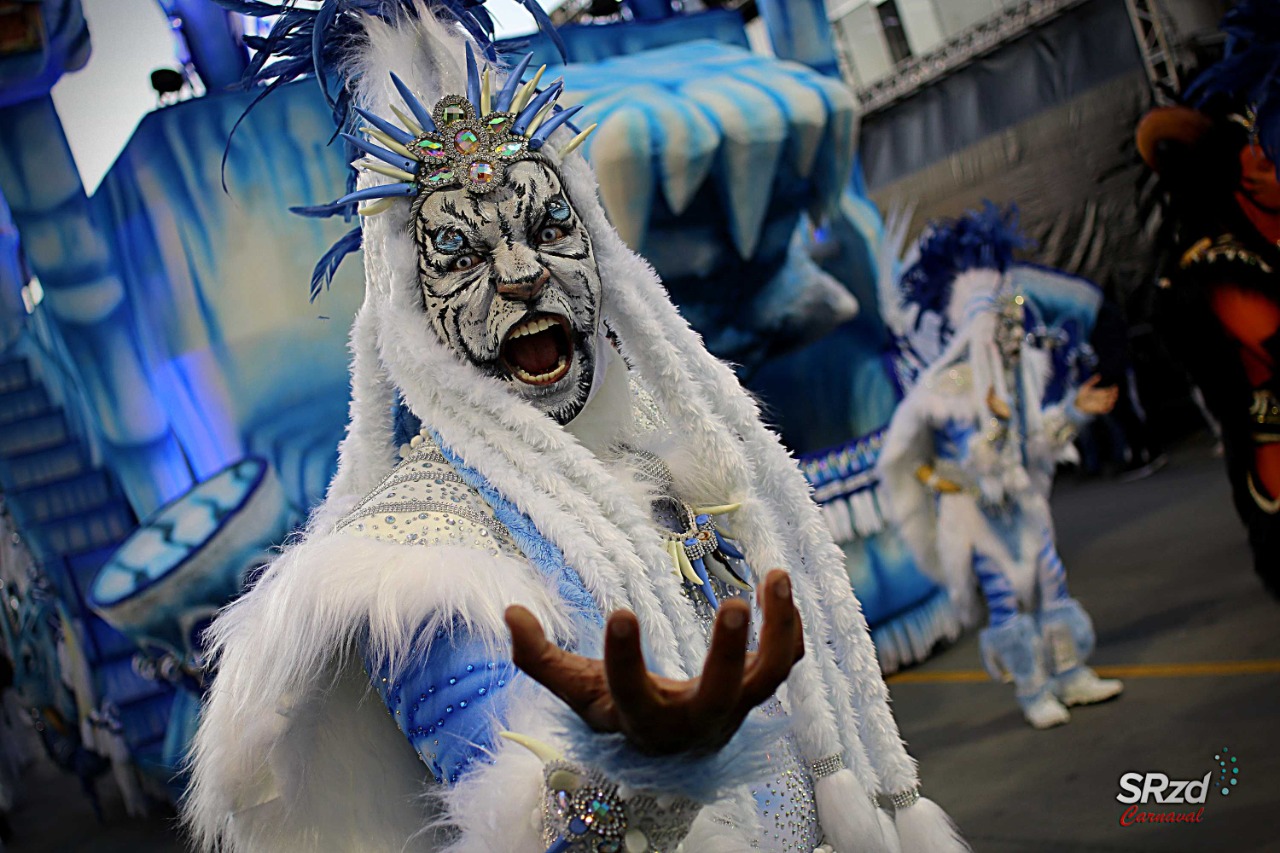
x=558, y=209
x=448, y=241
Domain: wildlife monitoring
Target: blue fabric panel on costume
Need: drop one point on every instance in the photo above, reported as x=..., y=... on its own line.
x=1002, y=602
x=951, y=440
x=1051, y=574
x=540, y=550
x=449, y=703
x=1007, y=522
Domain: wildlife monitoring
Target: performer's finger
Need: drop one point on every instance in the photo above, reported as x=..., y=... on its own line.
x=624, y=669
x=530, y=649
x=721, y=683
x=1092, y=380
x=778, y=639
x=564, y=674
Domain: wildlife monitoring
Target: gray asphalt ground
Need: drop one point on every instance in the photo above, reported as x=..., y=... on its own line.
x=1162, y=566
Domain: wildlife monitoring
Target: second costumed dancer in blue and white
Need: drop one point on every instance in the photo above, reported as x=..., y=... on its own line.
x=969, y=457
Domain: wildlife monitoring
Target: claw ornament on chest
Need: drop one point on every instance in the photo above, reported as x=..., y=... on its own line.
x=510, y=283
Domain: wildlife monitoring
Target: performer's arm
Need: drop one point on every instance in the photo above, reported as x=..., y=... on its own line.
x=927, y=475
x=1064, y=420
x=453, y=701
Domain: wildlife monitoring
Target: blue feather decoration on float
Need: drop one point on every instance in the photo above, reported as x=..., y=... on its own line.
x=314, y=41
x=1249, y=72
x=980, y=239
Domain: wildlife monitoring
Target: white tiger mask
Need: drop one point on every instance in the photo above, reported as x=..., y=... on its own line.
x=510, y=283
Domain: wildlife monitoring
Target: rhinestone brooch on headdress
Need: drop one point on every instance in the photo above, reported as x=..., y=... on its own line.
x=467, y=141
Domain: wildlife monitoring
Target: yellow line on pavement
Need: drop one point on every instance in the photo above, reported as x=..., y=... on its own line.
x=1148, y=670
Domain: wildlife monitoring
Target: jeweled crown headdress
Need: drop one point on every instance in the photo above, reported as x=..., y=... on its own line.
x=465, y=141
x=319, y=39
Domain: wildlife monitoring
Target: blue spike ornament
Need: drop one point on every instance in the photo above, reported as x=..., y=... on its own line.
x=473, y=79
x=549, y=126
x=508, y=92
x=380, y=191
x=420, y=112
x=389, y=157
x=536, y=104
x=701, y=552
x=455, y=144
x=404, y=137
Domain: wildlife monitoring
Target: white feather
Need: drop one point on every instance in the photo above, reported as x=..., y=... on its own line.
x=889, y=263
x=291, y=720
x=849, y=817
x=925, y=828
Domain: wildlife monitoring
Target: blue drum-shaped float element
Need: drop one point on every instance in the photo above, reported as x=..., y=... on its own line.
x=191, y=558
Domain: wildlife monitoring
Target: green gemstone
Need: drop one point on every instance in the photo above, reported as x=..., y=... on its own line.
x=440, y=176
x=497, y=122
x=509, y=149
x=431, y=148
x=452, y=113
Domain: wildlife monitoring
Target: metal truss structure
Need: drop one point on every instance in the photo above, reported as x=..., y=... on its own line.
x=1153, y=29
x=975, y=42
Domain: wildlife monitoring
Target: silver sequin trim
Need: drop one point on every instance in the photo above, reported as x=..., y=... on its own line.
x=827, y=765
x=425, y=502
x=899, y=800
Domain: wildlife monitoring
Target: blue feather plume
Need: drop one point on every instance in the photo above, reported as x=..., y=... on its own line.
x=980, y=239
x=327, y=266
x=1249, y=72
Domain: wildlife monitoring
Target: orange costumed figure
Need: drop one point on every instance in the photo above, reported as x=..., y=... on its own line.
x=1219, y=306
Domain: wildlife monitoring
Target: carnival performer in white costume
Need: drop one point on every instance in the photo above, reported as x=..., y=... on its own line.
x=572, y=457
x=969, y=457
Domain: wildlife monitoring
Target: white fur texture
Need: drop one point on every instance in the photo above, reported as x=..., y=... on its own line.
x=851, y=819
x=926, y=828
x=291, y=720
x=942, y=539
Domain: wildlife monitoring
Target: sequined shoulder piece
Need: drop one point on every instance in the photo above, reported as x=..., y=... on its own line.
x=956, y=379
x=424, y=502
x=1225, y=248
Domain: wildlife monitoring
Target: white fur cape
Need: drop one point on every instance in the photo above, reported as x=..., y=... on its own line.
x=290, y=755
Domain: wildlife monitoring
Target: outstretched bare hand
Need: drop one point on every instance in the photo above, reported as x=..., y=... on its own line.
x=661, y=716
x=1093, y=400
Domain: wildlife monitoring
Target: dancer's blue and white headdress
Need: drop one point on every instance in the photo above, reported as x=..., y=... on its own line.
x=418, y=347
x=955, y=272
